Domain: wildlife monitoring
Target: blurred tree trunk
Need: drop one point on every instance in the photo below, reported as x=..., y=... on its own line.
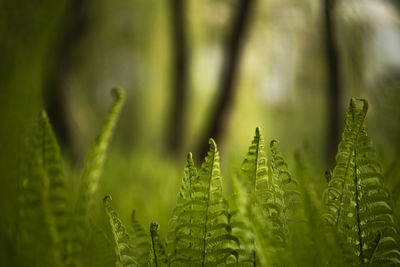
x=229, y=74
x=180, y=79
x=74, y=25
x=333, y=77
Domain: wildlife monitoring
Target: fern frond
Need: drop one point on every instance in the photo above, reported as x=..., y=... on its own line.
x=185, y=200
x=254, y=166
x=252, y=232
x=200, y=226
x=254, y=174
x=158, y=256
x=90, y=179
x=120, y=236
x=271, y=195
x=57, y=197
x=96, y=156
x=335, y=193
x=279, y=178
x=43, y=197
x=320, y=244
x=358, y=204
x=140, y=242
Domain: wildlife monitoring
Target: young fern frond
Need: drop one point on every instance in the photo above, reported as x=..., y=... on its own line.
x=200, y=226
x=254, y=173
x=90, y=179
x=335, y=193
x=158, y=256
x=319, y=243
x=185, y=194
x=123, y=251
x=140, y=242
x=43, y=197
x=358, y=204
x=377, y=231
x=57, y=197
x=270, y=196
x=277, y=203
x=96, y=156
x=254, y=166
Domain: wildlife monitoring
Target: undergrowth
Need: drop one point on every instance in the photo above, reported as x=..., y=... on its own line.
x=275, y=218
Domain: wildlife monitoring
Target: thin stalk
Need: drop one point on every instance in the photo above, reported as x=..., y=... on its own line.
x=254, y=191
x=153, y=229
x=360, y=241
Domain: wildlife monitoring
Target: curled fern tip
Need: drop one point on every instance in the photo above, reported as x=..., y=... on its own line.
x=107, y=198
x=212, y=143
x=118, y=93
x=273, y=142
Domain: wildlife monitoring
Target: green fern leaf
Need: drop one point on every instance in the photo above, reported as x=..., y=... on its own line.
x=121, y=238
x=254, y=173
x=271, y=195
x=158, y=256
x=200, y=226
x=177, y=223
x=358, y=204
x=96, y=156
x=57, y=197
x=90, y=179
x=139, y=241
x=43, y=208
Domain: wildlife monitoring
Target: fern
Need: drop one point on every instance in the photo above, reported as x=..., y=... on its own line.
x=44, y=218
x=90, y=179
x=57, y=193
x=268, y=227
x=320, y=246
x=281, y=199
x=95, y=158
x=176, y=222
x=267, y=203
x=358, y=205
x=139, y=242
x=121, y=237
x=43, y=209
x=132, y=248
x=201, y=231
x=255, y=174
x=158, y=256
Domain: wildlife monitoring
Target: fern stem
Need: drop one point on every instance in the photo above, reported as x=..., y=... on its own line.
x=254, y=188
x=153, y=231
x=358, y=207
x=349, y=160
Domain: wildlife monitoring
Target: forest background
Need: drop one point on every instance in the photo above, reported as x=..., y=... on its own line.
x=192, y=70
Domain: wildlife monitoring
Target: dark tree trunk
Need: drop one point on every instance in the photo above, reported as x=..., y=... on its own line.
x=228, y=78
x=176, y=127
x=74, y=25
x=333, y=77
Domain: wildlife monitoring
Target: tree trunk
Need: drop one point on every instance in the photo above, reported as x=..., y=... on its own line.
x=333, y=77
x=180, y=79
x=228, y=78
x=74, y=26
